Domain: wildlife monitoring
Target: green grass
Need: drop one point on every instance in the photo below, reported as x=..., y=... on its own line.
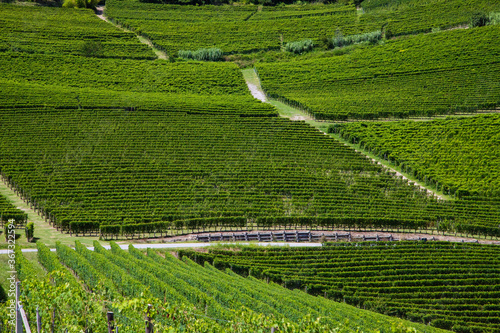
x=43, y=231
x=251, y=77
x=5, y=269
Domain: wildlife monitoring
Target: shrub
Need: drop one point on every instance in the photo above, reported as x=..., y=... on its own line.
x=6, y=228
x=30, y=231
x=479, y=20
x=370, y=37
x=326, y=43
x=212, y=54
x=80, y=3
x=494, y=18
x=300, y=46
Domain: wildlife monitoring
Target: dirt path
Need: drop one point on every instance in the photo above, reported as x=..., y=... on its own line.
x=399, y=174
x=253, y=83
x=99, y=11
x=256, y=92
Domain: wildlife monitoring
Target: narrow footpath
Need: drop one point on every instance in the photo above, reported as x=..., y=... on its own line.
x=253, y=83
x=99, y=11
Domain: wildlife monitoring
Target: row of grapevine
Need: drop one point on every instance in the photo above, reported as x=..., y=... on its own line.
x=8, y=211
x=452, y=286
x=105, y=280
x=243, y=29
x=60, y=31
x=222, y=296
x=440, y=73
x=28, y=95
x=456, y=154
x=115, y=167
x=124, y=75
x=65, y=304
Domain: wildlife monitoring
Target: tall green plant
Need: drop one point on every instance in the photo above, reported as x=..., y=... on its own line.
x=30, y=231
x=212, y=54
x=479, y=20
x=300, y=46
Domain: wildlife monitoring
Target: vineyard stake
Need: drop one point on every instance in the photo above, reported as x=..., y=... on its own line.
x=111, y=318
x=149, y=325
x=19, y=323
x=38, y=321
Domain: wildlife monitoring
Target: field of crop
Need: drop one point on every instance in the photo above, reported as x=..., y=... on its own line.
x=129, y=167
x=61, y=31
x=33, y=96
x=452, y=286
x=78, y=82
x=243, y=29
x=234, y=29
x=457, y=154
x=416, y=16
x=103, y=139
x=183, y=296
x=426, y=75
x=124, y=75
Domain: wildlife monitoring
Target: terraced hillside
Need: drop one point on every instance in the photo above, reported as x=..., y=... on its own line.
x=457, y=154
x=72, y=59
x=99, y=135
x=60, y=31
x=452, y=286
x=150, y=146
x=426, y=75
x=114, y=167
x=243, y=29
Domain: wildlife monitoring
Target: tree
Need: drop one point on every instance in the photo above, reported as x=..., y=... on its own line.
x=479, y=20
x=80, y=3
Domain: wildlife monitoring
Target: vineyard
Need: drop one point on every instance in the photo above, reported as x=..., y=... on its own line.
x=455, y=153
x=182, y=296
x=446, y=285
x=124, y=75
x=243, y=29
x=114, y=167
x=426, y=75
x=103, y=140
x=9, y=211
x=60, y=31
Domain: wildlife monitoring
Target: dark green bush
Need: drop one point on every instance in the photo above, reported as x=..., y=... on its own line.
x=30, y=231
x=479, y=20
x=326, y=43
